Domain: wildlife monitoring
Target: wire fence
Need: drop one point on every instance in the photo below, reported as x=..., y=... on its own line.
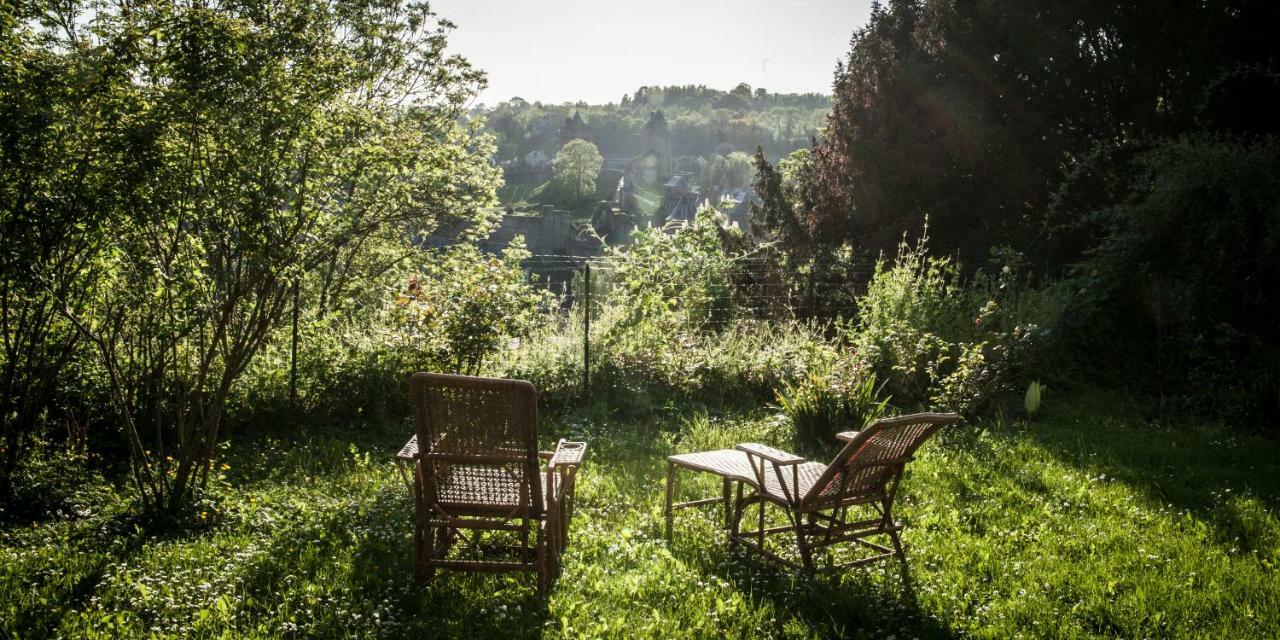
x=754, y=287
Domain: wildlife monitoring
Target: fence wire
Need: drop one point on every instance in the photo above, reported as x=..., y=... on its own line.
x=756, y=289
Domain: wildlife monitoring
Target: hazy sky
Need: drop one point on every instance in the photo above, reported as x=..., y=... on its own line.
x=596, y=51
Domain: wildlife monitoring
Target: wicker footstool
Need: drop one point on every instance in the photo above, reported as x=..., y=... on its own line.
x=730, y=464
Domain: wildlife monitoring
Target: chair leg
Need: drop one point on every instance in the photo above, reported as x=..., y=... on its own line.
x=724, y=492
x=423, y=550
x=802, y=541
x=671, y=492
x=553, y=551
x=543, y=561
x=565, y=515
x=888, y=524
x=897, y=546
x=760, y=524
x=423, y=534
x=739, y=508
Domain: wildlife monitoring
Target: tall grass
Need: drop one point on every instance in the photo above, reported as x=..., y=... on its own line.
x=1089, y=523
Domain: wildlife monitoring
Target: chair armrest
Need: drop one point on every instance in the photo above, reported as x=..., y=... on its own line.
x=409, y=452
x=776, y=456
x=567, y=454
x=847, y=436
x=546, y=455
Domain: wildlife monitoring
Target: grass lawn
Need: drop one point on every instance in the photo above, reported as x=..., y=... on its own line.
x=648, y=199
x=516, y=194
x=1089, y=522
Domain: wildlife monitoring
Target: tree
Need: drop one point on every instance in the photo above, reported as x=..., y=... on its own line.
x=1186, y=271
x=781, y=194
x=973, y=113
x=576, y=167
x=242, y=159
x=728, y=172
x=64, y=172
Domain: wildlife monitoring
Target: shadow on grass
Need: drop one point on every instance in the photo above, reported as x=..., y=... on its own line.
x=451, y=604
x=94, y=545
x=1212, y=472
x=358, y=559
x=874, y=601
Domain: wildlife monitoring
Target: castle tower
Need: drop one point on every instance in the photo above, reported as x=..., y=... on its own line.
x=657, y=138
x=573, y=128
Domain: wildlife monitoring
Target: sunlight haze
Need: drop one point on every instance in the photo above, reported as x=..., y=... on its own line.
x=568, y=50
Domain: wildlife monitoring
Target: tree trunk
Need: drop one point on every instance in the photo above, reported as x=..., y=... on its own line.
x=7, y=468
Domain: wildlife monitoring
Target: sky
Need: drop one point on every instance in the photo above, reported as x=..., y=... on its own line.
x=558, y=51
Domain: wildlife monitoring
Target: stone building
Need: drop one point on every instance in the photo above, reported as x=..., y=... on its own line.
x=574, y=128
x=612, y=224
x=549, y=232
x=679, y=201
x=653, y=165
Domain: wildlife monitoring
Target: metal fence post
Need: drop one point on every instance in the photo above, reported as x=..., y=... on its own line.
x=586, y=332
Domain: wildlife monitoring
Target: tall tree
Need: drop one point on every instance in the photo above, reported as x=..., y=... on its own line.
x=272, y=142
x=576, y=167
x=973, y=112
x=65, y=173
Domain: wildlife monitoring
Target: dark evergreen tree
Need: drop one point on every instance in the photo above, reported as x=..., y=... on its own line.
x=973, y=112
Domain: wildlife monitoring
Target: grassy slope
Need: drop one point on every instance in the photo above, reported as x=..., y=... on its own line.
x=516, y=194
x=648, y=199
x=1086, y=523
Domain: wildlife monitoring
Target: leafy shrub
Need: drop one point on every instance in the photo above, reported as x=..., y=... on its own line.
x=671, y=282
x=452, y=315
x=55, y=481
x=937, y=340
x=1186, y=274
x=465, y=307
x=829, y=400
x=550, y=357
x=740, y=364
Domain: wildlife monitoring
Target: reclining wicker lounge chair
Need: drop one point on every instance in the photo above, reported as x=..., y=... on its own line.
x=817, y=498
x=481, y=473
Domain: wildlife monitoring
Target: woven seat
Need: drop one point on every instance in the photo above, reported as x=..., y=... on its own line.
x=460, y=483
x=817, y=497
x=736, y=465
x=482, y=472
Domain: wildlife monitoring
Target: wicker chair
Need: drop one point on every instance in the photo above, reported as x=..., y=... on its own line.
x=481, y=473
x=818, y=499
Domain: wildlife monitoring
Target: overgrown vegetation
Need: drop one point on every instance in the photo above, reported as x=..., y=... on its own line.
x=207, y=166
x=218, y=265
x=1092, y=522
x=1135, y=166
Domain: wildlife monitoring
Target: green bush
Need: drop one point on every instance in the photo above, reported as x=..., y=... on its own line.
x=550, y=357
x=828, y=400
x=1184, y=279
x=741, y=364
x=937, y=340
x=671, y=282
x=55, y=481
x=454, y=314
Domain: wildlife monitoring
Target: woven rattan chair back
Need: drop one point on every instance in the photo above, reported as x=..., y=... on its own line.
x=479, y=444
x=867, y=465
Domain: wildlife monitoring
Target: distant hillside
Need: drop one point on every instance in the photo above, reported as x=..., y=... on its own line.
x=703, y=122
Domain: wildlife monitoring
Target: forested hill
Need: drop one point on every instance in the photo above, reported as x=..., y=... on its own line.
x=702, y=122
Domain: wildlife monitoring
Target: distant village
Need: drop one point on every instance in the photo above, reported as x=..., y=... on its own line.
x=549, y=231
